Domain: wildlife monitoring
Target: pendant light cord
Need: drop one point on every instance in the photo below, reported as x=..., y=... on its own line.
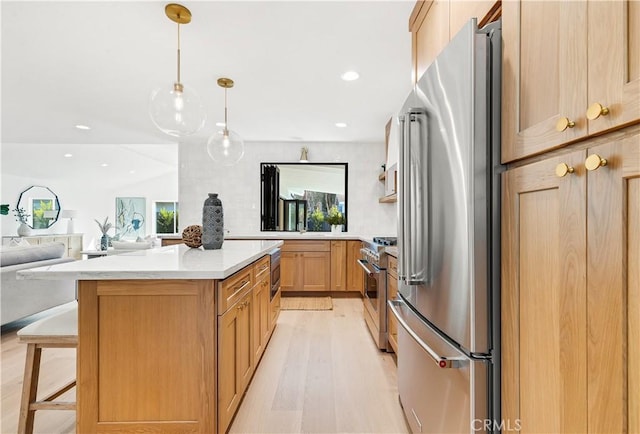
x=226, y=127
x=178, y=52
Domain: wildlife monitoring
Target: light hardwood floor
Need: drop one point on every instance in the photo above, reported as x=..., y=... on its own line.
x=321, y=373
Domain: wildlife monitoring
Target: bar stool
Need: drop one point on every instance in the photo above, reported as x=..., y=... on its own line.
x=56, y=331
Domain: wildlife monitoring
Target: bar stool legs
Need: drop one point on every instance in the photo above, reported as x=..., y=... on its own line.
x=29, y=403
x=56, y=331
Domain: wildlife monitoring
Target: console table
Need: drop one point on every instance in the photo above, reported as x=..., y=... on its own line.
x=72, y=242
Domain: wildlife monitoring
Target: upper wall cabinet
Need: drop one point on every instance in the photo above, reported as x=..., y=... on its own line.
x=434, y=22
x=429, y=25
x=583, y=79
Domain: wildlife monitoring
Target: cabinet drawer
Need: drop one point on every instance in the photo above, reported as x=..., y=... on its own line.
x=233, y=288
x=306, y=246
x=261, y=268
x=392, y=269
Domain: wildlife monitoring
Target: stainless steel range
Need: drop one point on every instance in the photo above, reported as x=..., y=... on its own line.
x=374, y=262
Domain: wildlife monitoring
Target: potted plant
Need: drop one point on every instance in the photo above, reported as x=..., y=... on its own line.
x=21, y=216
x=336, y=219
x=104, y=228
x=317, y=219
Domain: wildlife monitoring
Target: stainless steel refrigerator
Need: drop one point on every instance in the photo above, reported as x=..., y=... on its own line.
x=448, y=239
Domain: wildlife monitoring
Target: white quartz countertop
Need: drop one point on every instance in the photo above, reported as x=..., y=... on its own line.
x=171, y=262
x=292, y=236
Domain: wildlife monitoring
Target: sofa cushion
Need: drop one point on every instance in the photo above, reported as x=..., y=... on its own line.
x=31, y=253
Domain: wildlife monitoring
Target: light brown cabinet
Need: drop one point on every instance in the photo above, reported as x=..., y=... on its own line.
x=355, y=276
x=235, y=358
x=392, y=292
x=570, y=290
x=171, y=241
x=338, y=265
x=275, y=310
x=434, y=22
x=261, y=308
x=305, y=266
x=429, y=26
x=550, y=90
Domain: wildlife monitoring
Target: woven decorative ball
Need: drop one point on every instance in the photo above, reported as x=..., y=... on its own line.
x=192, y=236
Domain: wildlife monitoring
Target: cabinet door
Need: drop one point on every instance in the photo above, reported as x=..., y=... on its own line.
x=290, y=271
x=544, y=365
x=275, y=310
x=392, y=322
x=316, y=271
x=614, y=62
x=613, y=288
x=235, y=358
x=75, y=246
x=355, y=276
x=261, y=313
x=461, y=11
x=338, y=265
x=65, y=240
x=245, y=359
x=430, y=34
x=543, y=82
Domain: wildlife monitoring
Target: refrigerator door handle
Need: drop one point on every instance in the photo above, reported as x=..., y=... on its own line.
x=416, y=221
x=440, y=361
x=402, y=238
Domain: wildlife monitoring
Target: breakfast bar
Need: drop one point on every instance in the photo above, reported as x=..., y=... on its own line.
x=168, y=338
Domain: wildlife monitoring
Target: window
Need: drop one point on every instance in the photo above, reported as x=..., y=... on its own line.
x=166, y=216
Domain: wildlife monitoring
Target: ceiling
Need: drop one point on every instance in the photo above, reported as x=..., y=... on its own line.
x=95, y=63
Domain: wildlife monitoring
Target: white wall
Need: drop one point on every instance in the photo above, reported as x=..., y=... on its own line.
x=239, y=186
x=92, y=197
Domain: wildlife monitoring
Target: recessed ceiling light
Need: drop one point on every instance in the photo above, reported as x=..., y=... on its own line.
x=341, y=125
x=132, y=171
x=350, y=76
x=104, y=164
x=219, y=124
x=68, y=155
x=83, y=127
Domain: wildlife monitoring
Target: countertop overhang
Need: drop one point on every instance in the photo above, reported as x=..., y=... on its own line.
x=171, y=262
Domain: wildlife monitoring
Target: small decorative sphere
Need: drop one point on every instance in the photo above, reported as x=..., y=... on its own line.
x=192, y=236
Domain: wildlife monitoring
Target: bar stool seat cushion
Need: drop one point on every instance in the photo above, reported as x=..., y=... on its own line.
x=63, y=323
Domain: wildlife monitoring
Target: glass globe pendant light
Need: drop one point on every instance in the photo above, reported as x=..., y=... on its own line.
x=225, y=147
x=175, y=109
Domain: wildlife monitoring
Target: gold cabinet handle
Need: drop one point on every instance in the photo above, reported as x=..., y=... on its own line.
x=563, y=169
x=564, y=123
x=596, y=110
x=594, y=161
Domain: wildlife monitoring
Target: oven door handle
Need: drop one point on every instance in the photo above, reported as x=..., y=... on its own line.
x=363, y=263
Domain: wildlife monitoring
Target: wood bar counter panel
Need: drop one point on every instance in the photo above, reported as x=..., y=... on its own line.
x=134, y=336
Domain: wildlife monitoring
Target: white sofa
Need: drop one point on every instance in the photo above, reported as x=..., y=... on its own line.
x=21, y=298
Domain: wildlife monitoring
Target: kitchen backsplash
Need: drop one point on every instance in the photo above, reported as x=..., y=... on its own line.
x=239, y=186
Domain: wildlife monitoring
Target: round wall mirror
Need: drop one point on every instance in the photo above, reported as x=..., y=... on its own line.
x=41, y=205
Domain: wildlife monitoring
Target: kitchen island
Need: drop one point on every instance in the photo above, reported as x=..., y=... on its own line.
x=167, y=337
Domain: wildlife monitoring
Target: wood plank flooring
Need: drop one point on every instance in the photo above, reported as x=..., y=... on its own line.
x=321, y=373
